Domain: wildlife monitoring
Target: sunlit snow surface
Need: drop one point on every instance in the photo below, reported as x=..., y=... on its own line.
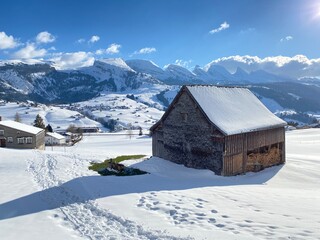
x=51, y=194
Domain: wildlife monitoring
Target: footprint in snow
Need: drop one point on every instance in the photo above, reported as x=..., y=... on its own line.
x=155, y=209
x=172, y=212
x=220, y=225
x=201, y=214
x=214, y=211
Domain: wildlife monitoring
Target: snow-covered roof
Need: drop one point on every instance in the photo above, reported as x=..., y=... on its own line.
x=21, y=126
x=234, y=110
x=55, y=135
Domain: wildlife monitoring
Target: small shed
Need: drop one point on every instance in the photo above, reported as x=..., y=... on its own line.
x=53, y=138
x=224, y=129
x=18, y=135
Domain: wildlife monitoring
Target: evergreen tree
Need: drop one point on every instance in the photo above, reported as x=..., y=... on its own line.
x=38, y=122
x=49, y=128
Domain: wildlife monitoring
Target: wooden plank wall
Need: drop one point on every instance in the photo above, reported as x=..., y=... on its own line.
x=237, y=146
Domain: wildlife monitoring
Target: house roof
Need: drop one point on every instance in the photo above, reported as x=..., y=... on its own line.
x=55, y=135
x=232, y=110
x=21, y=126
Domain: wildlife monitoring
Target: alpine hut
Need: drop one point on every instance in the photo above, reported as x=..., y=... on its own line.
x=224, y=129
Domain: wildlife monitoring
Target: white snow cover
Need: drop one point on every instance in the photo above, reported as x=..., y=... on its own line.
x=21, y=126
x=116, y=62
x=53, y=195
x=55, y=135
x=234, y=110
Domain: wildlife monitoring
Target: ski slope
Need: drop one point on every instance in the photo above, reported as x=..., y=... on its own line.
x=52, y=194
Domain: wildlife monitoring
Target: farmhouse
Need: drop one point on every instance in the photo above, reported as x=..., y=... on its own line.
x=17, y=135
x=54, y=139
x=224, y=129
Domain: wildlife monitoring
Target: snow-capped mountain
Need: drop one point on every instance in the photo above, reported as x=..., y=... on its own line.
x=41, y=82
x=241, y=75
x=180, y=75
x=202, y=74
x=219, y=74
x=149, y=67
x=115, y=75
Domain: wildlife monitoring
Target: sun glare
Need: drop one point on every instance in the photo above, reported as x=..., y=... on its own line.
x=316, y=11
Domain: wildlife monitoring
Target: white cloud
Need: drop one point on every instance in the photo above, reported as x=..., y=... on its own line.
x=145, y=50
x=223, y=26
x=81, y=40
x=285, y=39
x=94, y=39
x=7, y=42
x=30, y=51
x=45, y=37
x=100, y=51
x=113, y=48
x=248, y=30
x=294, y=67
x=182, y=63
x=72, y=60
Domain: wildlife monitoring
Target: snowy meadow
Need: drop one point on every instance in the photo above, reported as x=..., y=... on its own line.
x=51, y=194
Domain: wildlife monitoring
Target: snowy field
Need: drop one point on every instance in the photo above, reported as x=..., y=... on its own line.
x=57, y=117
x=52, y=195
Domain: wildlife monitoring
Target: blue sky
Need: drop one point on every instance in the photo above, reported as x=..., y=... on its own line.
x=167, y=31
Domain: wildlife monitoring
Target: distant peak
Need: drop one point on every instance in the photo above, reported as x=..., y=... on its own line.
x=115, y=62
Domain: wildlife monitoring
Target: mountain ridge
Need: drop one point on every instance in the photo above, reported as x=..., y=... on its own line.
x=43, y=83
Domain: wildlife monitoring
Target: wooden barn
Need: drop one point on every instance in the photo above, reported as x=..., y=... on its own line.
x=224, y=129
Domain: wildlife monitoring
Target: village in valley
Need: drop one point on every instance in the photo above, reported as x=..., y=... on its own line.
x=160, y=120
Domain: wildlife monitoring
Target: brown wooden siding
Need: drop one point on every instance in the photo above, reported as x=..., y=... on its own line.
x=237, y=147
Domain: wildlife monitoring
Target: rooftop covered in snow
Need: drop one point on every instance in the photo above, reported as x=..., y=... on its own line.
x=233, y=110
x=55, y=135
x=21, y=126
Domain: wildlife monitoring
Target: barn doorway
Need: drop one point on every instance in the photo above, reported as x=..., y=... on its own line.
x=2, y=142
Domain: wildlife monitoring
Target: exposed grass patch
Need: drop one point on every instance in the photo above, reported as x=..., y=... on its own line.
x=104, y=167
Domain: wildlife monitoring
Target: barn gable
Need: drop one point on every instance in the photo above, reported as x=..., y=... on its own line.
x=184, y=136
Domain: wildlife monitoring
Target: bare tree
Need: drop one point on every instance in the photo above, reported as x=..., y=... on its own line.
x=17, y=117
x=129, y=131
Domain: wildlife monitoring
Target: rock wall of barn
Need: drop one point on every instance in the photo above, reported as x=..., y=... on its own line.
x=186, y=137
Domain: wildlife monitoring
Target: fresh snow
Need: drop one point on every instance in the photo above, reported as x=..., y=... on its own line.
x=116, y=62
x=51, y=194
x=55, y=135
x=16, y=81
x=57, y=117
x=21, y=126
x=148, y=67
x=234, y=110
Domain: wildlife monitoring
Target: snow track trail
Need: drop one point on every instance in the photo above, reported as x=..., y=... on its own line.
x=83, y=215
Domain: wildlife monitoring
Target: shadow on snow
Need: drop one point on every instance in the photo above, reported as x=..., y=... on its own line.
x=83, y=189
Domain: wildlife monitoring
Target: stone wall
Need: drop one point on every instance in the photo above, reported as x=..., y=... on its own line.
x=185, y=137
